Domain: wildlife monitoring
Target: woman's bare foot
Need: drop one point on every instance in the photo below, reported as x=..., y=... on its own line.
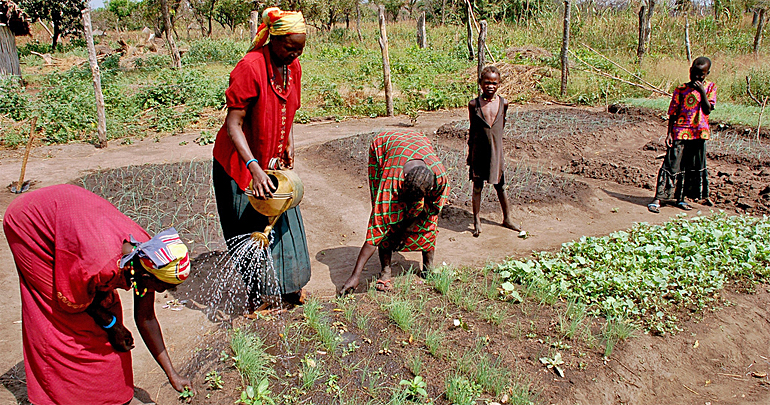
x=510, y=225
x=476, y=227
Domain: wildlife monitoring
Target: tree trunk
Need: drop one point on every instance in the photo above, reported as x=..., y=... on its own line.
x=760, y=26
x=9, y=56
x=443, y=12
x=565, y=49
x=648, y=23
x=687, y=37
x=176, y=59
x=422, y=37
x=481, y=47
x=358, y=20
x=640, y=46
x=101, y=125
x=469, y=27
x=385, y=63
x=253, y=25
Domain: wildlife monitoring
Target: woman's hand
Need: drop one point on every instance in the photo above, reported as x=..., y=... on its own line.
x=260, y=182
x=178, y=382
x=120, y=338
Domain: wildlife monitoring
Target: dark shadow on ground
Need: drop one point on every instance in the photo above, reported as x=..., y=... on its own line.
x=643, y=201
x=458, y=220
x=15, y=381
x=211, y=288
x=341, y=260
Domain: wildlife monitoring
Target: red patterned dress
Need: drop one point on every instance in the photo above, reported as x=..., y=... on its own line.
x=388, y=154
x=66, y=242
x=683, y=172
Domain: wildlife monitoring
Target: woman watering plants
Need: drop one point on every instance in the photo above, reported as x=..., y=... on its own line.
x=70, y=263
x=263, y=95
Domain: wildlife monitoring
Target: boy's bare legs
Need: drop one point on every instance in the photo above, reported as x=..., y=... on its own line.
x=477, y=186
x=504, y=205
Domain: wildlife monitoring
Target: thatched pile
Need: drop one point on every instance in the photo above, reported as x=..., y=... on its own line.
x=14, y=17
x=518, y=82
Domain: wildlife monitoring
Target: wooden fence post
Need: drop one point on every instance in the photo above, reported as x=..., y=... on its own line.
x=422, y=37
x=481, y=46
x=253, y=24
x=469, y=27
x=9, y=56
x=101, y=120
x=760, y=26
x=385, y=63
x=176, y=59
x=565, y=49
x=358, y=20
x=640, y=46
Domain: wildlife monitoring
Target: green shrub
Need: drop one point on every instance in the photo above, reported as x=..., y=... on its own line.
x=211, y=50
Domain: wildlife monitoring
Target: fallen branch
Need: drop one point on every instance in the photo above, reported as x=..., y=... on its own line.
x=46, y=57
x=630, y=83
x=621, y=67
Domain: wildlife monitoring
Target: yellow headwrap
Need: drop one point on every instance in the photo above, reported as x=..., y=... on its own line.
x=277, y=22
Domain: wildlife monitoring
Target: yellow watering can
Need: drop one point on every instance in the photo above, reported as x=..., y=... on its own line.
x=287, y=196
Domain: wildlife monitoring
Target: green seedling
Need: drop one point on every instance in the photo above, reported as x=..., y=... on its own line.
x=214, y=380
x=415, y=364
x=310, y=372
x=401, y=312
x=554, y=363
x=461, y=391
x=508, y=293
x=186, y=395
x=415, y=388
x=260, y=395
x=434, y=340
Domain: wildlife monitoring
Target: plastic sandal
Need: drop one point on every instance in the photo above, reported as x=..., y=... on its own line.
x=655, y=208
x=684, y=206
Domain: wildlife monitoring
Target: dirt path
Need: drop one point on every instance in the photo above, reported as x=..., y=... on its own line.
x=336, y=208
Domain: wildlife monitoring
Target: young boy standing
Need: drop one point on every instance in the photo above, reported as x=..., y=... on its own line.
x=486, y=160
x=683, y=173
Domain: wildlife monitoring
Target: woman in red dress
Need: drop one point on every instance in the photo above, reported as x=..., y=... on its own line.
x=262, y=98
x=72, y=250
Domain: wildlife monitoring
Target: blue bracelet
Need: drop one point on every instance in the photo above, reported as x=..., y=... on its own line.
x=114, y=319
x=249, y=162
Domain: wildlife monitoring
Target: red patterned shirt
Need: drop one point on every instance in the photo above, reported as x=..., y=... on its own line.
x=691, y=122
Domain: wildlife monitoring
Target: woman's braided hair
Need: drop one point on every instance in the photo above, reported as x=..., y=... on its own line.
x=417, y=183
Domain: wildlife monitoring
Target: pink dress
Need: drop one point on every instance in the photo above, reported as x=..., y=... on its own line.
x=66, y=242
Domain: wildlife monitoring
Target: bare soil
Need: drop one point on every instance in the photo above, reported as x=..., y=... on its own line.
x=570, y=172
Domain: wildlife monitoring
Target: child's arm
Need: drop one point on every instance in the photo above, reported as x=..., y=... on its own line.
x=705, y=104
x=471, y=132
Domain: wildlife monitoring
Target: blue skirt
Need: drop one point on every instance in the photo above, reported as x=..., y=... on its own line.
x=289, y=248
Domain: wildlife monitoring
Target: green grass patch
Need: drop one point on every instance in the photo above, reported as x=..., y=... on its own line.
x=728, y=113
x=650, y=272
x=251, y=358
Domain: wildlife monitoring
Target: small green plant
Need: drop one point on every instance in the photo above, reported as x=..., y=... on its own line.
x=461, y=391
x=401, y=312
x=441, y=278
x=571, y=320
x=554, y=363
x=415, y=388
x=415, y=364
x=214, y=380
x=434, y=340
x=310, y=372
x=260, y=395
x=186, y=395
x=614, y=331
x=205, y=138
x=251, y=359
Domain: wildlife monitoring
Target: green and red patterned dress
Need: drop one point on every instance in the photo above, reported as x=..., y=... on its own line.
x=388, y=154
x=683, y=172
